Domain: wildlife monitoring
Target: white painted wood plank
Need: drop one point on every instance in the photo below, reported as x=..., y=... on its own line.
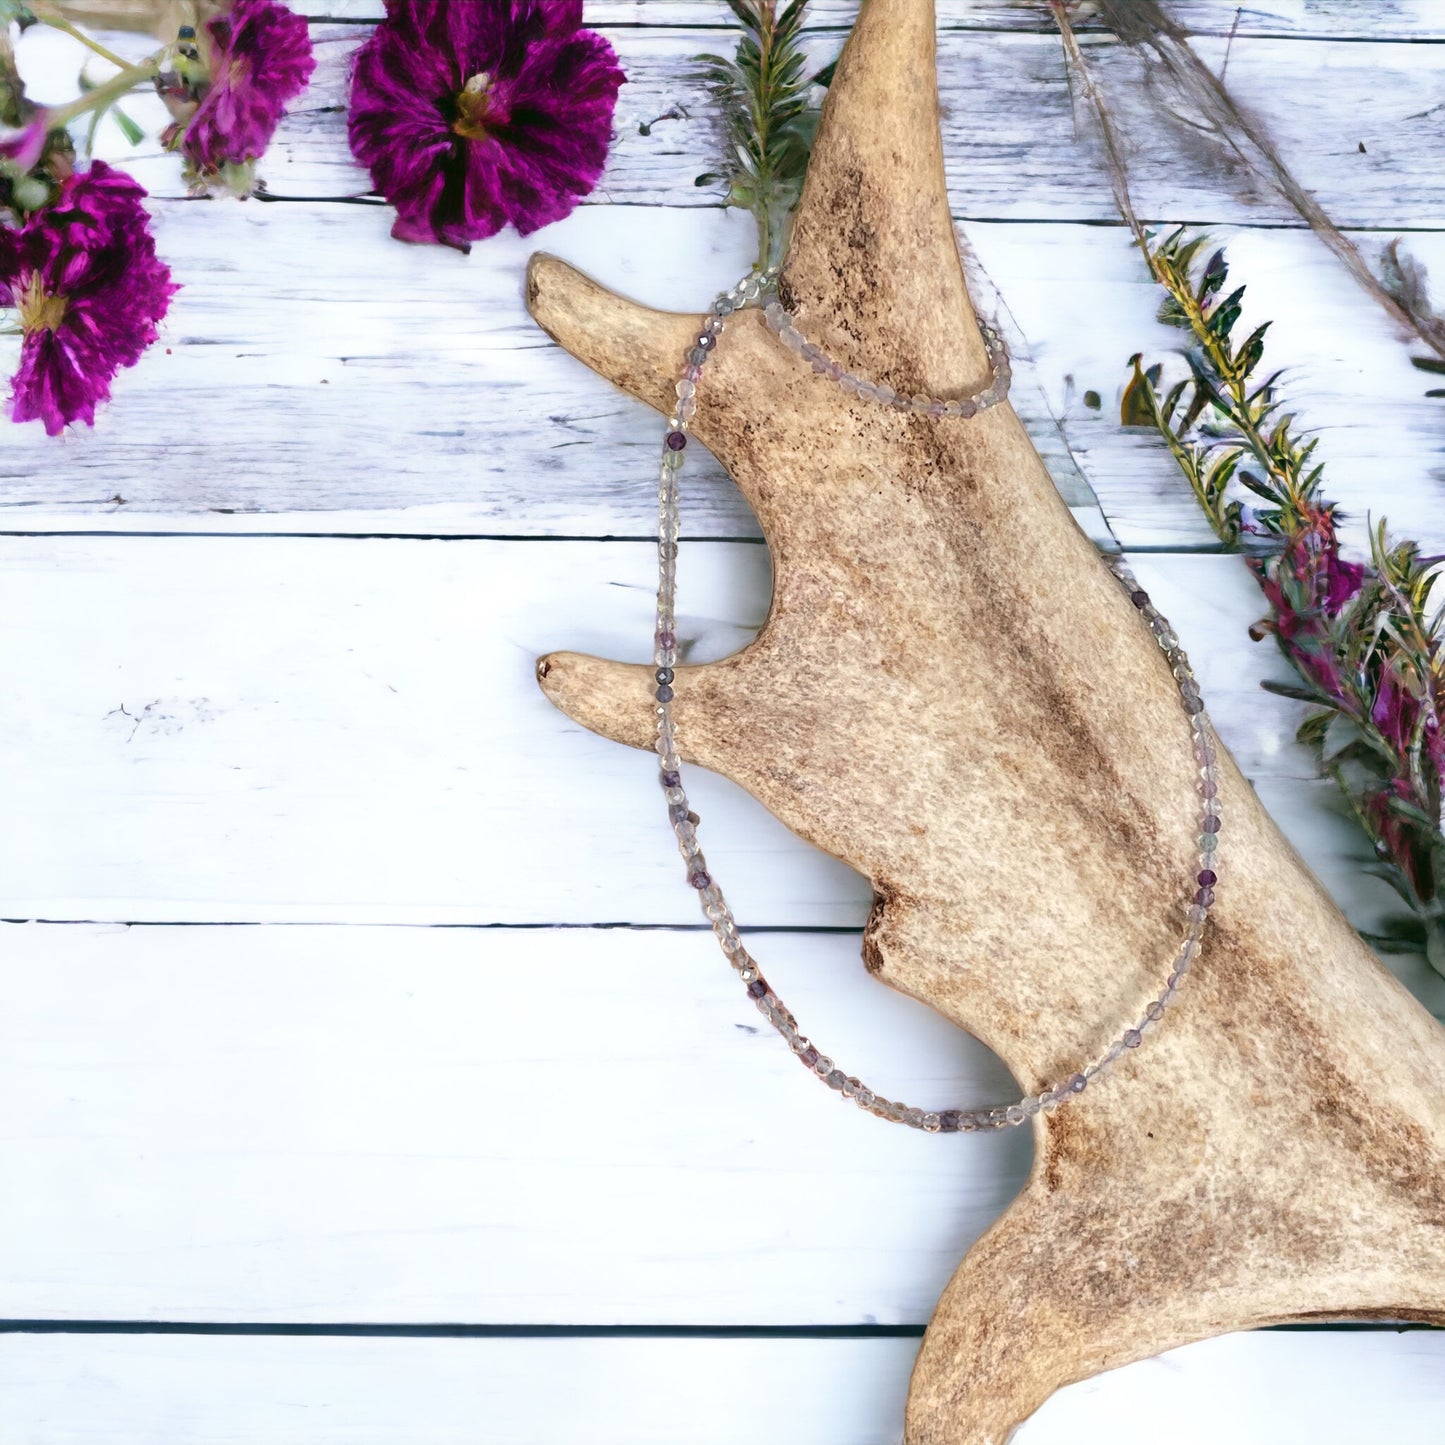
x=1081, y=303
x=320, y=730
x=317, y=376
x=1261, y=1389
x=1011, y=146
x=394, y=389
x=1330, y=19
x=498, y=1126
x=1357, y=121
x=501, y=1126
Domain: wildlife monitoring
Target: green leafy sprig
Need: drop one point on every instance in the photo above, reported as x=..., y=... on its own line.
x=1365, y=644
x=764, y=95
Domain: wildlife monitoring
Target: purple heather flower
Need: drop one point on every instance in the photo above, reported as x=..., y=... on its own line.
x=473, y=116
x=84, y=274
x=259, y=58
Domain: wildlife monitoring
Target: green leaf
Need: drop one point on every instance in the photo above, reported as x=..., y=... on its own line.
x=128, y=128
x=769, y=121
x=1289, y=689
x=1139, y=405
x=1388, y=873
x=1215, y=274
x=1406, y=809
x=1340, y=735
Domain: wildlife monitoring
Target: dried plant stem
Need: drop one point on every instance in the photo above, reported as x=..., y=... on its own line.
x=1118, y=170
x=1145, y=26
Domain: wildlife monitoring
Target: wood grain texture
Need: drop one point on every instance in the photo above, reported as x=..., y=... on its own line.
x=1327, y=19
x=326, y=730
x=951, y=694
x=496, y=1126
x=1275, y=1389
x=1012, y=148
x=504, y=434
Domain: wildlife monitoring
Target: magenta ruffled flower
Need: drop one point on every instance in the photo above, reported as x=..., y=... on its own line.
x=84, y=274
x=473, y=116
x=259, y=58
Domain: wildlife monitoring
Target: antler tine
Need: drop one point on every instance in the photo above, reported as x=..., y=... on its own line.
x=873, y=254
x=631, y=345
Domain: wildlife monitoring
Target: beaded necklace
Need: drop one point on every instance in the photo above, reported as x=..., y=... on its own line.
x=759, y=289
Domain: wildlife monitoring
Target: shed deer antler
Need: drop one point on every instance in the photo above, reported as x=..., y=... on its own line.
x=952, y=694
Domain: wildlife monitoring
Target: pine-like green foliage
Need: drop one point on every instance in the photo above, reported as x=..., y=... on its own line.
x=764, y=96
x=1367, y=647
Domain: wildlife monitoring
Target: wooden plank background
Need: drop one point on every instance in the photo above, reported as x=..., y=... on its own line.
x=350, y=991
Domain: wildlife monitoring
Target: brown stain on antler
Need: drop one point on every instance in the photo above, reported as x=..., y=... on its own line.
x=952, y=695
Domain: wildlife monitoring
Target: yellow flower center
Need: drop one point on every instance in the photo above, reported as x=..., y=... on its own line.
x=39, y=312
x=474, y=107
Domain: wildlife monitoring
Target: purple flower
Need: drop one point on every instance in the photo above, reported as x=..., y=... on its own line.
x=22, y=149
x=472, y=116
x=259, y=58
x=1308, y=586
x=90, y=289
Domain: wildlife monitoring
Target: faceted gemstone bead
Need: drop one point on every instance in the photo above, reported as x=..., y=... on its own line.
x=1078, y=1084
x=664, y=674
x=671, y=780
x=1212, y=823
x=695, y=358
x=1155, y=1011
x=809, y=1056
x=676, y=440
x=699, y=879
x=1014, y=1114
x=930, y=1122
x=1206, y=878
x=1139, y=598
x=758, y=987
x=968, y=408
x=1132, y=1039
x=664, y=693
x=887, y=395
x=836, y=1079
x=1204, y=897
x=948, y=1121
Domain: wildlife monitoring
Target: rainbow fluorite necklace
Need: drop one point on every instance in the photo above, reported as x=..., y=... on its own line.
x=759, y=289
